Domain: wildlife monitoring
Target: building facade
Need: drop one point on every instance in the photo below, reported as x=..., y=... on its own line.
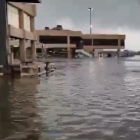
x=21, y=31
x=92, y=43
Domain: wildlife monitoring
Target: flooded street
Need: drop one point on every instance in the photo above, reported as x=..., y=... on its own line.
x=84, y=99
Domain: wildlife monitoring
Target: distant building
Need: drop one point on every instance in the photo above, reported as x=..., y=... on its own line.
x=58, y=37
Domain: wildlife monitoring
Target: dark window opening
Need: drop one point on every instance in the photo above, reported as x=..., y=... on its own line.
x=78, y=41
x=88, y=42
x=79, y=45
x=53, y=39
x=13, y=37
x=75, y=40
x=122, y=42
x=105, y=42
x=38, y=50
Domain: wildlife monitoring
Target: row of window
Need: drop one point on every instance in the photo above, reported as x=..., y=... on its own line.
x=103, y=42
x=79, y=41
x=13, y=18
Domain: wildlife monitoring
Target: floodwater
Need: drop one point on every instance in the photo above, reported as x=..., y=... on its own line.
x=87, y=99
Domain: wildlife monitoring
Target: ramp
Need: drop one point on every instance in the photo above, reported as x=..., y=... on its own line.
x=81, y=51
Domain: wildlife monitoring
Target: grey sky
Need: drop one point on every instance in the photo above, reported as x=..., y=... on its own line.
x=108, y=16
x=106, y=13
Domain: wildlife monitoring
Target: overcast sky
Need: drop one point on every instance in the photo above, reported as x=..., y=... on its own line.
x=108, y=16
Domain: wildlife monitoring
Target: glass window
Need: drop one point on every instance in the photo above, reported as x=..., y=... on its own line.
x=105, y=42
x=53, y=39
x=122, y=42
x=87, y=42
x=13, y=16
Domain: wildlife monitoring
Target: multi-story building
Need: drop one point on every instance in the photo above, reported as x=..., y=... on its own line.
x=21, y=30
x=68, y=39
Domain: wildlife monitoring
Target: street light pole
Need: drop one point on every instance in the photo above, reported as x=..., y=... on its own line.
x=90, y=9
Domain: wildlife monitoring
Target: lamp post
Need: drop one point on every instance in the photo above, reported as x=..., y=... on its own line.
x=90, y=9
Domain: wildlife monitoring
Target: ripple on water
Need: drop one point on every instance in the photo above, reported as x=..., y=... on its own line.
x=94, y=104
x=82, y=100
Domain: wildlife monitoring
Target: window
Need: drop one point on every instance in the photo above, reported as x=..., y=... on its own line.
x=13, y=16
x=75, y=39
x=27, y=23
x=53, y=39
x=87, y=42
x=122, y=42
x=38, y=50
x=105, y=42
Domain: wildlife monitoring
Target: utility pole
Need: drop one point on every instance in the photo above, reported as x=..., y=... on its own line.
x=90, y=10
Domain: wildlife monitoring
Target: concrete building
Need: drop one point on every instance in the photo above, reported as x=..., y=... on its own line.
x=93, y=43
x=21, y=31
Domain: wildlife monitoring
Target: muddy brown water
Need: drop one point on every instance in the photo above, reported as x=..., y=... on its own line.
x=84, y=99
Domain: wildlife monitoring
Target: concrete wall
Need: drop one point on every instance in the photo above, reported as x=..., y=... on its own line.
x=103, y=36
x=90, y=48
x=59, y=32
x=27, y=8
x=21, y=21
x=51, y=32
x=56, y=45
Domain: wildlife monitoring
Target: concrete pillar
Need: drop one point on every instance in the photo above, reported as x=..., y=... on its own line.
x=22, y=49
x=33, y=44
x=21, y=19
x=10, y=54
x=11, y=58
x=119, y=46
x=32, y=24
x=33, y=50
x=69, y=49
x=118, y=52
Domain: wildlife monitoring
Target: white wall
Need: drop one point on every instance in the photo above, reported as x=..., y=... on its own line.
x=13, y=16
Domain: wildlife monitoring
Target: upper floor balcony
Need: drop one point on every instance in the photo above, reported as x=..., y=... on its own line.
x=103, y=43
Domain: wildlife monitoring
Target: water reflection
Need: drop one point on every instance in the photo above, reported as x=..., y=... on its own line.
x=5, y=109
x=18, y=111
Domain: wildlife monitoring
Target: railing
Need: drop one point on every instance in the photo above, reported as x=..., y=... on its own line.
x=105, y=47
x=16, y=43
x=56, y=45
x=83, y=52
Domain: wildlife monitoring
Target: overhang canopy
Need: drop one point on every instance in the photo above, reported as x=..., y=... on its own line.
x=25, y=1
